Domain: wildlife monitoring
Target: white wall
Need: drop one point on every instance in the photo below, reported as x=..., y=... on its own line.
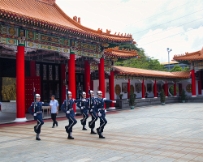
x=119, y=82
x=147, y=81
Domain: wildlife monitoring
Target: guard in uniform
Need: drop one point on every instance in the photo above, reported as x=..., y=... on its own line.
x=83, y=105
x=101, y=112
x=36, y=110
x=93, y=112
x=70, y=114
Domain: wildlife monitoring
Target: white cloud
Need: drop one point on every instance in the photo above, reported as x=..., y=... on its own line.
x=155, y=25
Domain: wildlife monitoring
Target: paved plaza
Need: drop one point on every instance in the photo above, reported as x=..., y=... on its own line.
x=158, y=133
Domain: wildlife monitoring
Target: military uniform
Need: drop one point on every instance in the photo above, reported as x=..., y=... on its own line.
x=70, y=114
x=101, y=114
x=93, y=113
x=83, y=105
x=36, y=110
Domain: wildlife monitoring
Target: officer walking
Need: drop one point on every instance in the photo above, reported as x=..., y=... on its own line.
x=93, y=112
x=36, y=110
x=68, y=109
x=83, y=105
x=54, y=110
x=101, y=112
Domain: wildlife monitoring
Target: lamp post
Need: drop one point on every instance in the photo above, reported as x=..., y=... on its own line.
x=169, y=50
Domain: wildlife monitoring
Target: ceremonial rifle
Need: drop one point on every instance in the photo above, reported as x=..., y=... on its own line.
x=80, y=95
x=90, y=101
x=67, y=97
x=34, y=96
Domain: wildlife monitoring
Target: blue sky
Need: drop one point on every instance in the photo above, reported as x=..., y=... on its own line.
x=154, y=24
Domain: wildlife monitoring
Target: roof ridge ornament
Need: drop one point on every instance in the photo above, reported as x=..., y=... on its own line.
x=50, y=2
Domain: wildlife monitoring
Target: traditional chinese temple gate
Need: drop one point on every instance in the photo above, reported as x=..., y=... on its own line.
x=46, y=38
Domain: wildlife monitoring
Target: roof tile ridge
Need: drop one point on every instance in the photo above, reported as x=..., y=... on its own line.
x=187, y=54
x=87, y=28
x=142, y=69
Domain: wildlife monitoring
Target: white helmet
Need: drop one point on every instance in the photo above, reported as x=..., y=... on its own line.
x=37, y=95
x=69, y=93
x=91, y=92
x=99, y=92
x=83, y=93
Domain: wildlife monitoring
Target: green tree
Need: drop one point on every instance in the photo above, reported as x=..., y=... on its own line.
x=179, y=68
x=186, y=69
x=143, y=62
x=176, y=68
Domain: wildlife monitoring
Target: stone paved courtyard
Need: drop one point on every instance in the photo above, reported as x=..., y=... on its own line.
x=158, y=133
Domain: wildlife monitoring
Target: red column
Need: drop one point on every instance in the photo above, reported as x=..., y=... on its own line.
x=102, y=77
x=166, y=89
x=174, y=89
x=155, y=89
x=193, y=82
x=180, y=88
x=63, y=84
x=111, y=87
x=32, y=68
x=87, y=77
x=71, y=76
x=143, y=89
x=200, y=83
x=20, y=84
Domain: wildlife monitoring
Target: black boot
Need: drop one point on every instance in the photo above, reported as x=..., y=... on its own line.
x=70, y=136
x=53, y=126
x=100, y=135
x=37, y=137
x=89, y=124
x=84, y=128
x=81, y=121
x=98, y=131
x=66, y=128
x=57, y=124
x=92, y=131
x=35, y=129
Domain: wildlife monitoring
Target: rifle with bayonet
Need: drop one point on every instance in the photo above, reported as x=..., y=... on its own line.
x=34, y=96
x=90, y=100
x=80, y=95
x=67, y=96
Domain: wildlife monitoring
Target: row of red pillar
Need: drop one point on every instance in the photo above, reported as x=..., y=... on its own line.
x=20, y=81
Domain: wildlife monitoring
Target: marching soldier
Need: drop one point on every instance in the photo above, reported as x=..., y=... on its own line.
x=101, y=113
x=93, y=113
x=83, y=105
x=70, y=114
x=36, y=110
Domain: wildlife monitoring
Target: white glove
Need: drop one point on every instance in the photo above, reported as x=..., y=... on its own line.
x=68, y=112
x=99, y=114
x=114, y=101
x=91, y=110
x=82, y=107
x=105, y=111
x=34, y=114
x=104, y=99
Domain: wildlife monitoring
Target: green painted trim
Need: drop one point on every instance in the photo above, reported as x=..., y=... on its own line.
x=72, y=53
x=21, y=45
